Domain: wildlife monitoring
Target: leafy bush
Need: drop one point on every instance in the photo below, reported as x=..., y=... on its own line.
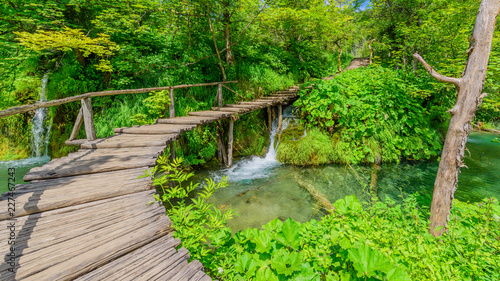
x=377, y=112
x=382, y=241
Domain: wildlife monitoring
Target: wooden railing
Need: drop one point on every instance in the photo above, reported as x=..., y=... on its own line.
x=85, y=115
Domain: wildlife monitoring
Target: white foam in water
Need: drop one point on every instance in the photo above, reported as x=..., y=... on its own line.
x=32, y=161
x=41, y=124
x=258, y=167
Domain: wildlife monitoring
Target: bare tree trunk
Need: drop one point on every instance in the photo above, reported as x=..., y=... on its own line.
x=371, y=50
x=227, y=33
x=469, y=97
x=217, y=49
x=340, y=54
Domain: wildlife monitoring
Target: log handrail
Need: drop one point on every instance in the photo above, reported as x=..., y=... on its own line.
x=35, y=106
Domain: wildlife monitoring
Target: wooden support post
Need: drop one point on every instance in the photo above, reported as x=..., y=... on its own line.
x=219, y=95
x=78, y=124
x=269, y=119
x=171, y=111
x=230, y=144
x=172, y=151
x=88, y=118
x=280, y=119
x=220, y=144
x=172, y=106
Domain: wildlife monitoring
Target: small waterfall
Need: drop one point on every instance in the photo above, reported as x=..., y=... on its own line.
x=258, y=167
x=41, y=123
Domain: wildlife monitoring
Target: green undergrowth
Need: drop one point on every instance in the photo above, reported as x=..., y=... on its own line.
x=370, y=113
x=356, y=241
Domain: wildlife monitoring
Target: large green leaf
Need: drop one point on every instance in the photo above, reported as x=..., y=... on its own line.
x=368, y=261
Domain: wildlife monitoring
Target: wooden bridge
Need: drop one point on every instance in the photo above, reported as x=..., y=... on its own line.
x=85, y=216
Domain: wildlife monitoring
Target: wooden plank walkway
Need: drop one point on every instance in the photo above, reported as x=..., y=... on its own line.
x=85, y=216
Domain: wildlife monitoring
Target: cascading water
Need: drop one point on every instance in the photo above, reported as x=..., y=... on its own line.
x=41, y=123
x=258, y=167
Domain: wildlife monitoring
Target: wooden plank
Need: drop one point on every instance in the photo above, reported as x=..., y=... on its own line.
x=88, y=118
x=136, y=265
x=76, y=142
x=194, y=120
x=67, y=253
x=188, y=271
x=251, y=107
x=78, y=124
x=73, y=223
x=214, y=114
x=156, y=129
x=231, y=109
x=200, y=275
x=53, y=194
x=256, y=103
x=130, y=140
x=91, y=161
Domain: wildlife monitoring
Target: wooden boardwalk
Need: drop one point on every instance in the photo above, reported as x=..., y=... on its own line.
x=85, y=216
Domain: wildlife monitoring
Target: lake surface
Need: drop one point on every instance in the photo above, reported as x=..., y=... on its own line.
x=261, y=189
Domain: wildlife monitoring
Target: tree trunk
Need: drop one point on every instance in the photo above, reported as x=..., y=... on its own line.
x=340, y=55
x=469, y=97
x=79, y=57
x=371, y=50
x=227, y=33
x=223, y=71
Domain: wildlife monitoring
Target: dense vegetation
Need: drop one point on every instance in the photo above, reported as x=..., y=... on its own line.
x=377, y=241
x=368, y=114
x=99, y=45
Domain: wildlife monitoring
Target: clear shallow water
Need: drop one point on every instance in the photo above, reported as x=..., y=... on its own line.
x=262, y=190
x=22, y=167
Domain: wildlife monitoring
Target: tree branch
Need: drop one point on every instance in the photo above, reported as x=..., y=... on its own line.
x=435, y=74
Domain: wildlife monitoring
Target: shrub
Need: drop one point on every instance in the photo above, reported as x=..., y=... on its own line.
x=382, y=241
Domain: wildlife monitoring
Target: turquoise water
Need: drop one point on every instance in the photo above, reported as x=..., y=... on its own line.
x=261, y=191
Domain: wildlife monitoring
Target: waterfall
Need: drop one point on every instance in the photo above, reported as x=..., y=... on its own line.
x=40, y=125
x=259, y=167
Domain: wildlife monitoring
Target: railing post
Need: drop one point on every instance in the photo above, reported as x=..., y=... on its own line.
x=172, y=106
x=88, y=118
x=219, y=95
x=78, y=124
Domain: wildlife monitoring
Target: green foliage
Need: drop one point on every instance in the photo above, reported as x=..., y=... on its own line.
x=314, y=149
x=377, y=112
x=198, y=224
x=71, y=40
x=120, y=111
x=382, y=241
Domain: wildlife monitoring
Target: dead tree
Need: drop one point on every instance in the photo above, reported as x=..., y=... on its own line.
x=469, y=97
